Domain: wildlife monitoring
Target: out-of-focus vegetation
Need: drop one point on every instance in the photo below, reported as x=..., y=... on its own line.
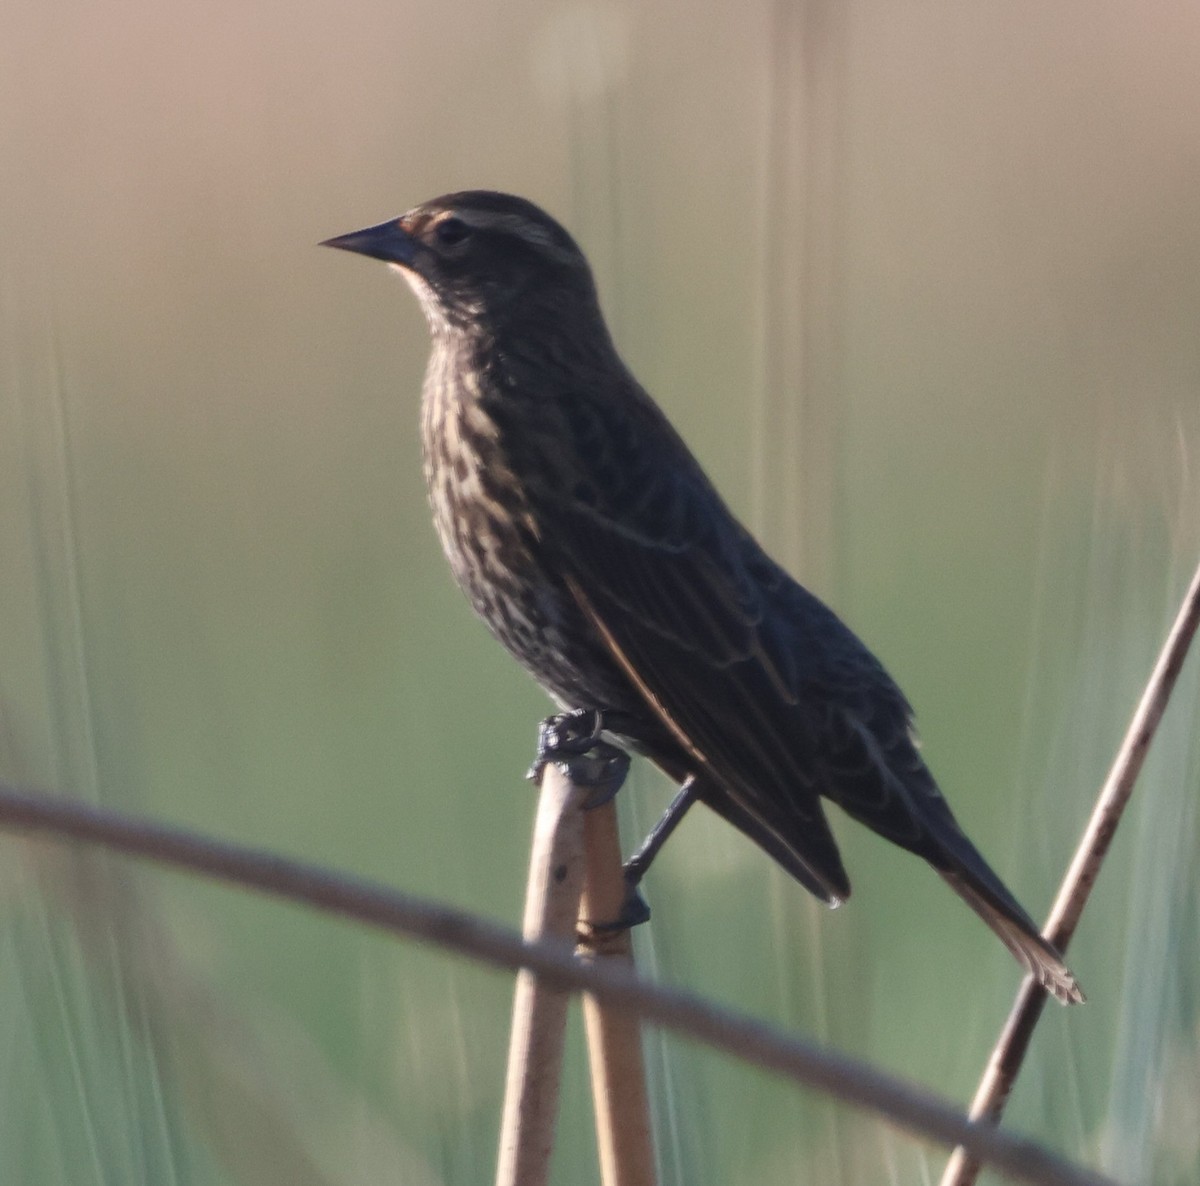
x=920, y=284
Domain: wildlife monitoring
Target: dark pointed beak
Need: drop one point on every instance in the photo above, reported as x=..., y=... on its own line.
x=388, y=241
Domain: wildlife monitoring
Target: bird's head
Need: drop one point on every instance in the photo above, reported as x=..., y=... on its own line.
x=480, y=260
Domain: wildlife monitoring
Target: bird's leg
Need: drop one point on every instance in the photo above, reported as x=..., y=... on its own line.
x=634, y=909
x=638, y=864
x=578, y=733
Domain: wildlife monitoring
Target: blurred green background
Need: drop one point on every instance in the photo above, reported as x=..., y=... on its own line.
x=919, y=282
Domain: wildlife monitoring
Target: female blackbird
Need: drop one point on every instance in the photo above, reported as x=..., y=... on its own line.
x=590, y=541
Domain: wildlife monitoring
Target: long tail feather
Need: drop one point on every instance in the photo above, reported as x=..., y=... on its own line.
x=1019, y=936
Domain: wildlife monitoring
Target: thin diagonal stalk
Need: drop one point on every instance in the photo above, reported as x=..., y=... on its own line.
x=996, y=1085
x=849, y=1080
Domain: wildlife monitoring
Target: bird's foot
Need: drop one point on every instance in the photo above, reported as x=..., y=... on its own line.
x=573, y=738
x=565, y=735
x=634, y=911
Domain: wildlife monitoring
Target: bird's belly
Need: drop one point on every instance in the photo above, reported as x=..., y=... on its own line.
x=500, y=565
x=496, y=552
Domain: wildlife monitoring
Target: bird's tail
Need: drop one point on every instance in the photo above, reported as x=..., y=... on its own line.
x=1018, y=933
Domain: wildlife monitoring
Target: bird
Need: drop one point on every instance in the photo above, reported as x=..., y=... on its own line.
x=591, y=542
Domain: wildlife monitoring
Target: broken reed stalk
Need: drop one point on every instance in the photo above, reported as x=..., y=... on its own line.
x=535, y=1051
x=614, y=1036
x=996, y=1085
x=575, y=879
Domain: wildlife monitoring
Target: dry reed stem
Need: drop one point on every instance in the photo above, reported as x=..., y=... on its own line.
x=623, y=1132
x=997, y=1083
x=556, y=875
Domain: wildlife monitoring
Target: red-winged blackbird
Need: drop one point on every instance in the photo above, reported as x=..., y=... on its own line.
x=590, y=541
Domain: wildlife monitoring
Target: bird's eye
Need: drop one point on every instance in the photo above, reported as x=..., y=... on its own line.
x=451, y=231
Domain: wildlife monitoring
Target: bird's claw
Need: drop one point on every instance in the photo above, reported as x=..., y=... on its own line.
x=605, y=776
x=577, y=734
x=566, y=735
x=634, y=911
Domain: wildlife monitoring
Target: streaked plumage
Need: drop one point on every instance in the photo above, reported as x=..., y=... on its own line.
x=590, y=541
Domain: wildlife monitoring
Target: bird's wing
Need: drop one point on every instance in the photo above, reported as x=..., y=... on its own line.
x=779, y=702
x=770, y=693
x=709, y=708
x=659, y=570
x=749, y=671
